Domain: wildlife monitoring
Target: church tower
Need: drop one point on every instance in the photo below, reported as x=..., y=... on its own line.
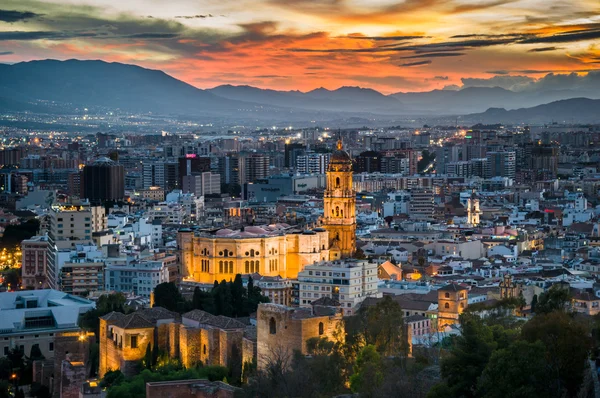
x=339, y=205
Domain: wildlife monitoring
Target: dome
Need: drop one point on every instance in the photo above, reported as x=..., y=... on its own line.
x=339, y=155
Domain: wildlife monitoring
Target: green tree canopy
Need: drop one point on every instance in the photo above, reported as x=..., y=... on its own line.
x=567, y=343
x=519, y=371
x=168, y=296
x=368, y=374
x=555, y=298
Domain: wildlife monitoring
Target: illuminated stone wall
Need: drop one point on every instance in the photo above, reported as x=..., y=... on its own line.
x=291, y=331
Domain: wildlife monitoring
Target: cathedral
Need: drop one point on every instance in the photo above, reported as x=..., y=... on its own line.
x=279, y=249
x=339, y=205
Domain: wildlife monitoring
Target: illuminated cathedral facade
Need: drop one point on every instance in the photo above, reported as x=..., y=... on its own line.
x=279, y=249
x=339, y=205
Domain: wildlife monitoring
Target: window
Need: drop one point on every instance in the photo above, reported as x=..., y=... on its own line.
x=133, y=341
x=204, y=349
x=272, y=326
x=447, y=295
x=321, y=328
x=446, y=305
x=51, y=346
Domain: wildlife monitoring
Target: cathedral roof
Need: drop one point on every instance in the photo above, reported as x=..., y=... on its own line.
x=339, y=155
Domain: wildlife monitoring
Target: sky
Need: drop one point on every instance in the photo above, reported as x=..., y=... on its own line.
x=388, y=45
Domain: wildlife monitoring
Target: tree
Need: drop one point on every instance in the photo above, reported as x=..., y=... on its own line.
x=12, y=278
x=202, y=300
x=518, y=371
x=534, y=301
x=148, y=357
x=359, y=254
x=235, y=366
x=382, y=327
x=469, y=357
x=111, y=378
x=40, y=391
x=167, y=295
x=368, y=374
x=567, y=345
x=238, y=296
x=223, y=299
x=555, y=298
x=35, y=353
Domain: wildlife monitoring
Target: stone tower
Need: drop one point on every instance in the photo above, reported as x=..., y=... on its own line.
x=339, y=205
x=473, y=210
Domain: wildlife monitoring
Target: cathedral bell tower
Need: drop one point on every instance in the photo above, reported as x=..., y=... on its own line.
x=339, y=205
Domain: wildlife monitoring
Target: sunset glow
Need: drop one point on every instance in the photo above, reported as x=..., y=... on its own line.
x=390, y=46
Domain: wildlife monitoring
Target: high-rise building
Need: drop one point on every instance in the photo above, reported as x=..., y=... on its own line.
x=171, y=176
x=339, y=205
x=153, y=175
x=501, y=164
x=202, y=184
x=103, y=180
x=68, y=226
x=422, y=205
x=395, y=165
x=368, y=162
x=256, y=167
x=33, y=263
x=74, y=184
x=459, y=169
x=446, y=154
x=231, y=169
x=542, y=157
x=192, y=164
x=291, y=151
x=312, y=163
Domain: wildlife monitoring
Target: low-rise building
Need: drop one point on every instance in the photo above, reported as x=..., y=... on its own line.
x=37, y=317
x=140, y=276
x=276, y=288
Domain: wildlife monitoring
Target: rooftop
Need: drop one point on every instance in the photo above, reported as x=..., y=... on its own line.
x=40, y=309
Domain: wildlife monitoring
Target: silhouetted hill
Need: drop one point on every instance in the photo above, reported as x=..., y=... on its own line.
x=344, y=99
x=582, y=110
x=51, y=86
x=88, y=84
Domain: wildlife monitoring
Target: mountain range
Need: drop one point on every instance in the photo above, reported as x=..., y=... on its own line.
x=51, y=86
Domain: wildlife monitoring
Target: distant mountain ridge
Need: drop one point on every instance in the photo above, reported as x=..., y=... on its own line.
x=51, y=86
x=582, y=110
x=110, y=85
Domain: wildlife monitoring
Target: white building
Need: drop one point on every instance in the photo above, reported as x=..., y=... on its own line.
x=140, y=276
x=312, y=163
x=36, y=317
x=169, y=213
x=398, y=203
x=347, y=281
x=192, y=205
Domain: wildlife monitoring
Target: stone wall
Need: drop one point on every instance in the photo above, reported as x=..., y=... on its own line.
x=72, y=345
x=190, y=389
x=190, y=346
x=290, y=334
x=73, y=375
